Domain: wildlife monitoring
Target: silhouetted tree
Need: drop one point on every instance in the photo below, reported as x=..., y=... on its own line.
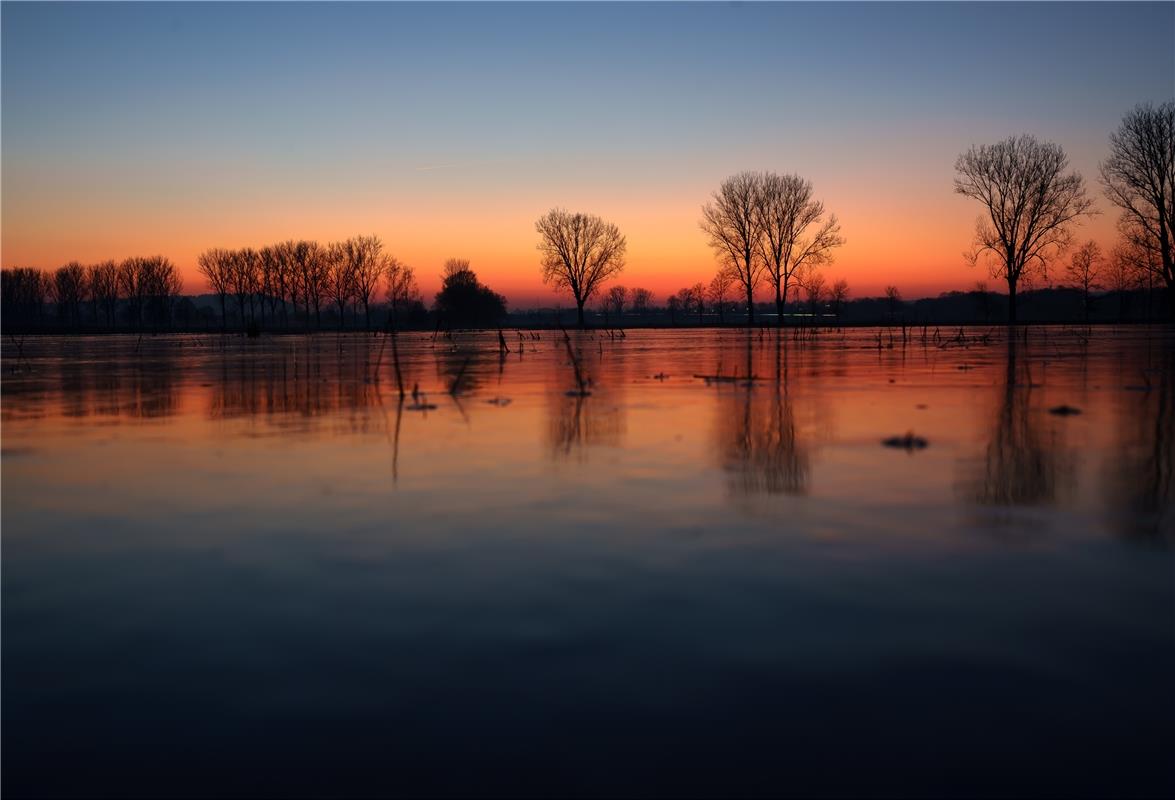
x=697, y=296
x=673, y=305
x=1084, y=272
x=368, y=267
x=311, y=271
x=243, y=279
x=581, y=252
x=719, y=290
x=814, y=287
x=795, y=233
x=893, y=300
x=734, y=227
x=103, y=280
x=617, y=297
x=1131, y=266
x=285, y=267
x=340, y=277
x=1139, y=178
x=68, y=289
x=216, y=265
x=132, y=281
x=642, y=301
x=162, y=286
x=23, y=290
x=1030, y=201
x=984, y=297
x=402, y=289
x=464, y=301
x=838, y=295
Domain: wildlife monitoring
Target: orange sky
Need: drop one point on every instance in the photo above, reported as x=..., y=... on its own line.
x=133, y=129
x=912, y=241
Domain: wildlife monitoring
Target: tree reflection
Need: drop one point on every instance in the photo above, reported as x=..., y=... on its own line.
x=1139, y=477
x=577, y=422
x=1022, y=463
x=298, y=386
x=761, y=452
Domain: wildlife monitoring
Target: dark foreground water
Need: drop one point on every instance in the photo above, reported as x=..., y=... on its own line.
x=245, y=567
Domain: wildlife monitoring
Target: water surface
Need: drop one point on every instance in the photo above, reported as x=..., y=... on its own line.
x=245, y=566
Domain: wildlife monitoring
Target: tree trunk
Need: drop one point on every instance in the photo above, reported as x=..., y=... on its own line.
x=750, y=308
x=579, y=310
x=1011, y=301
x=780, y=302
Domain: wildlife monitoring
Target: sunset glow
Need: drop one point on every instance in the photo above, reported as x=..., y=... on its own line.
x=139, y=129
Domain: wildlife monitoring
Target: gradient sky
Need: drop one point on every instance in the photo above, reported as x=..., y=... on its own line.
x=447, y=129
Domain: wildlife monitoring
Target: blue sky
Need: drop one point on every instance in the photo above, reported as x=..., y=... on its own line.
x=178, y=126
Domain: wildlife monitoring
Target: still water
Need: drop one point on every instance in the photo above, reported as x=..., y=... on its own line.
x=239, y=566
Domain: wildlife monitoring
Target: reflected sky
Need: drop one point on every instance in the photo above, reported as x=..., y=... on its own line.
x=255, y=551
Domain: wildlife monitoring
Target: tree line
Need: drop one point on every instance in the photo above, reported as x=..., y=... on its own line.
x=766, y=230
x=296, y=280
x=769, y=229
x=146, y=286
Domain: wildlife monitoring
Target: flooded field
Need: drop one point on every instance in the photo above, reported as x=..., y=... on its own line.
x=239, y=566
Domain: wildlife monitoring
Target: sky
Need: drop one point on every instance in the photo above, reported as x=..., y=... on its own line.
x=447, y=129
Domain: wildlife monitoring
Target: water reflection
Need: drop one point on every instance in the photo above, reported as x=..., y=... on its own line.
x=504, y=581
x=1139, y=477
x=576, y=423
x=298, y=386
x=756, y=430
x=1024, y=461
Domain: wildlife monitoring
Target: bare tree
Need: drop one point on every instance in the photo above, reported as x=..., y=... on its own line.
x=310, y=274
x=697, y=296
x=617, y=297
x=734, y=227
x=284, y=267
x=1139, y=178
x=1084, y=272
x=642, y=301
x=368, y=267
x=787, y=212
x=216, y=265
x=243, y=276
x=893, y=299
x=402, y=288
x=68, y=289
x=453, y=266
x=838, y=295
x=719, y=289
x=580, y=253
x=1031, y=204
x=673, y=305
x=132, y=281
x=103, y=279
x=340, y=277
x=1134, y=264
x=814, y=286
x=162, y=285
x=22, y=293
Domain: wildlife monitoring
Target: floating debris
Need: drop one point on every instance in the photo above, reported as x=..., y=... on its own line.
x=1064, y=410
x=660, y=376
x=499, y=401
x=921, y=406
x=727, y=378
x=907, y=442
